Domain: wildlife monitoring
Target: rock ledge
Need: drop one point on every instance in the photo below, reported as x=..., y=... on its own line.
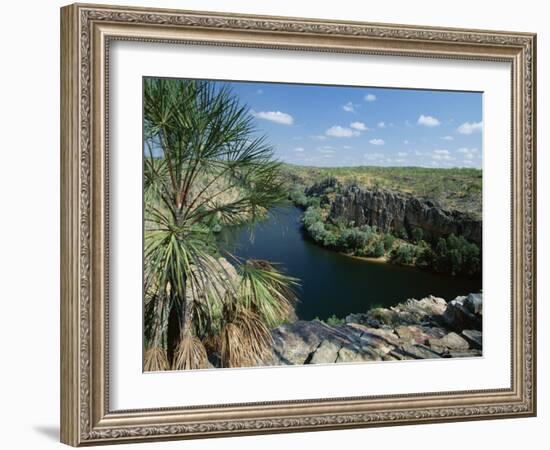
x=416, y=329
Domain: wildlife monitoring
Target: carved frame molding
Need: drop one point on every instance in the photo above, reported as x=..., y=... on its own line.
x=86, y=31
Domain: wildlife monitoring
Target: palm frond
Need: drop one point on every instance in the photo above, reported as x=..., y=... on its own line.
x=190, y=354
x=155, y=360
x=245, y=340
x=205, y=164
x=267, y=291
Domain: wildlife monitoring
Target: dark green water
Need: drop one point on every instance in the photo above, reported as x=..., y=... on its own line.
x=332, y=283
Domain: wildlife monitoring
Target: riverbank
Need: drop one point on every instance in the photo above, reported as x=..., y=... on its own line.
x=429, y=328
x=405, y=230
x=379, y=259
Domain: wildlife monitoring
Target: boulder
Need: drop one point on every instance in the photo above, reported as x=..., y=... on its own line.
x=451, y=341
x=474, y=338
x=460, y=313
x=474, y=303
x=293, y=343
x=327, y=352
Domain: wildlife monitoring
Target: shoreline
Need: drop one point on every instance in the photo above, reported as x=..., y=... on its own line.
x=375, y=259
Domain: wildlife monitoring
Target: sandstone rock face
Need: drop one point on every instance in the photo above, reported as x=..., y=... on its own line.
x=388, y=210
x=416, y=329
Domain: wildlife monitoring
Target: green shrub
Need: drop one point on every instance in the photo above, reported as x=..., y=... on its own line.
x=353, y=239
x=378, y=249
x=388, y=242
x=311, y=216
x=403, y=254
x=334, y=321
x=417, y=234
x=299, y=198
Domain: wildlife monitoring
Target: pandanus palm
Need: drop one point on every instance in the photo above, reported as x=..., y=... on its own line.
x=205, y=167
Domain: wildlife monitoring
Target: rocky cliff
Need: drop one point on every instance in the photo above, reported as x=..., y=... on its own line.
x=394, y=211
x=389, y=211
x=416, y=329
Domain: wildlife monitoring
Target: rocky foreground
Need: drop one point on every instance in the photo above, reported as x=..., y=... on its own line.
x=415, y=329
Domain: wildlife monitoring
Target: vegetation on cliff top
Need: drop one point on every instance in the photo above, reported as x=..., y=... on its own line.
x=457, y=188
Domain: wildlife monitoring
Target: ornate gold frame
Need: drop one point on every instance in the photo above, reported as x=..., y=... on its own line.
x=86, y=31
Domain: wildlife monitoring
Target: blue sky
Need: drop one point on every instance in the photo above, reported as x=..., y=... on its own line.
x=353, y=126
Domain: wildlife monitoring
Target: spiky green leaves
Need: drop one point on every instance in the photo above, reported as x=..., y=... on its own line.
x=205, y=163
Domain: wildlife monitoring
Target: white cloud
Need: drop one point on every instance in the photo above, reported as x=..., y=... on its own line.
x=318, y=137
x=373, y=156
x=358, y=126
x=325, y=149
x=299, y=149
x=405, y=142
x=348, y=107
x=467, y=150
x=447, y=138
x=347, y=147
x=468, y=153
x=402, y=154
x=428, y=121
x=338, y=131
x=275, y=116
x=469, y=128
x=370, y=98
x=381, y=125
x=442, y=155
x=377, y=141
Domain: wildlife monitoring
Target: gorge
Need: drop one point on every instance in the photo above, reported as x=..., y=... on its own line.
x=331, y=283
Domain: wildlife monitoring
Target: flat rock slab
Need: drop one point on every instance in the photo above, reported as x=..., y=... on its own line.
x=451, y=341
x=412, y=334
x=350, y=354
x=326, y=353
x=415, y=352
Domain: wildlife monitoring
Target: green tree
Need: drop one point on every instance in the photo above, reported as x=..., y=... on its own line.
x=205, y=165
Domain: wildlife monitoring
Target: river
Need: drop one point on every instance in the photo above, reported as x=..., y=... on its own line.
x=332, y=283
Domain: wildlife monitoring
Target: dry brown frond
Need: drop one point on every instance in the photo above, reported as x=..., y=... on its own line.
x=155, y=360
x=190, y=354
x=245, y=341
x=212, y=343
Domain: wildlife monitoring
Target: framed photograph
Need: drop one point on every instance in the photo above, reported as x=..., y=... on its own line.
x=276, y=224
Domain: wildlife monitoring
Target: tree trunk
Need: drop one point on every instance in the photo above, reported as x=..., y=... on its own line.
x=161, y=314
